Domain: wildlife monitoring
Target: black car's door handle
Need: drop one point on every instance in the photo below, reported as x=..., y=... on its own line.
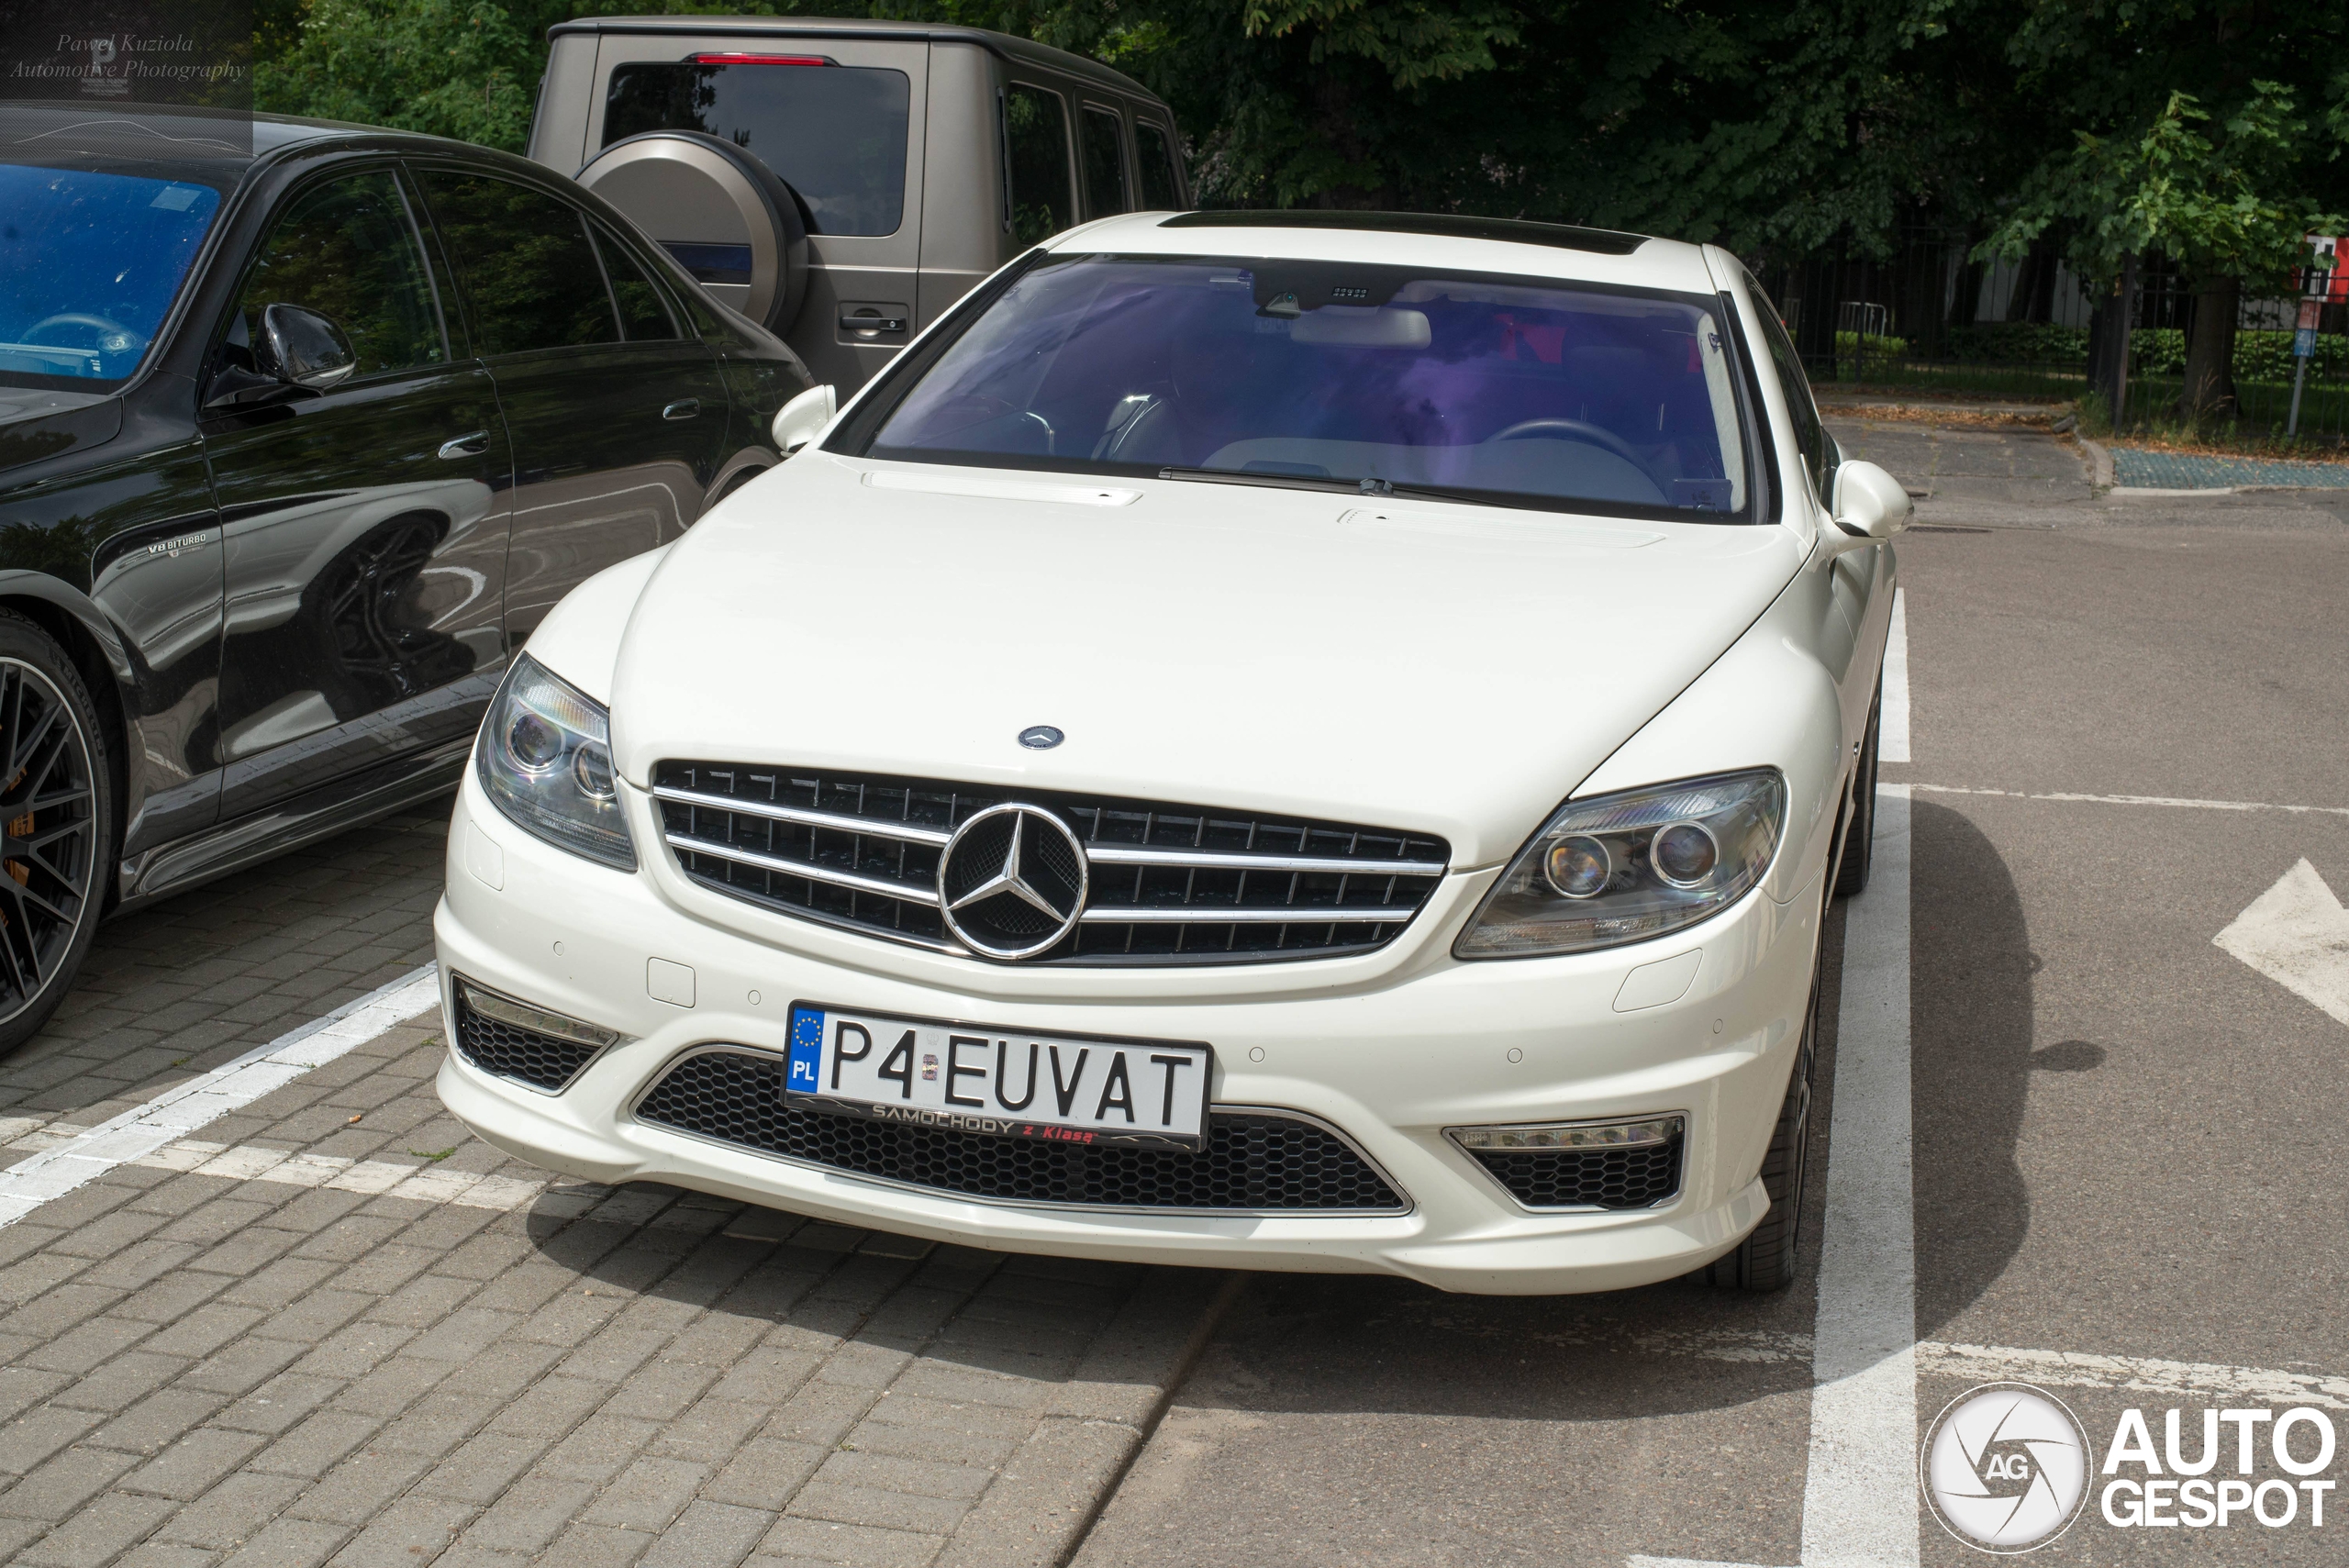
x=683, y=409
x=473, y=445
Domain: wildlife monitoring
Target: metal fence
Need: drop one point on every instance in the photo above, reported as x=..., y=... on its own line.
x=1930, y=321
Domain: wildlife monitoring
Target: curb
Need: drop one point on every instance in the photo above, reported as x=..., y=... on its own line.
x=2100, y=463
x=2127, y=490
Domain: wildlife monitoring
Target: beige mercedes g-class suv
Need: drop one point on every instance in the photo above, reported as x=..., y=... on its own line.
x=842, y=182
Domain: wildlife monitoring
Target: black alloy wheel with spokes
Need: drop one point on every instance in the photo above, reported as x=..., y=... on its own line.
x=56, y=826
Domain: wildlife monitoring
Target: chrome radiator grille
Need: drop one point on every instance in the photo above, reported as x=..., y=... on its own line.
x=1165, y=884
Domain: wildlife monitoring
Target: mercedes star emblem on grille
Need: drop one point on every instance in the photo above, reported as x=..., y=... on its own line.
x=1040, y=738
x=1011, y=883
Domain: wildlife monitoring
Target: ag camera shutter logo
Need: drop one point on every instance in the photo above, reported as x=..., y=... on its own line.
x=2006, y=1467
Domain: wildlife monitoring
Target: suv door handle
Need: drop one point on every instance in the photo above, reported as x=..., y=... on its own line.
x=473, y=445
x=683, y=409
x=866, y=318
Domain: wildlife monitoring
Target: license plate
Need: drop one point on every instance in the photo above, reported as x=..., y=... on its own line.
x=967, y=1078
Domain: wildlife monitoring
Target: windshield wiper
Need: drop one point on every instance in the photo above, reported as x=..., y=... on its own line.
x=1371, y=487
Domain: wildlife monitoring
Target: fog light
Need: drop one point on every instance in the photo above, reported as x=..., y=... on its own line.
x=1534, y=1137
x=538, y=1020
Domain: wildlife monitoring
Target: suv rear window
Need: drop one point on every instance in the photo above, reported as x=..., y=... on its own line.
x=835, y=134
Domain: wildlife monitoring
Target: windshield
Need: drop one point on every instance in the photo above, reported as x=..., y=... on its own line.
x=1526, y=391
x=88, y=264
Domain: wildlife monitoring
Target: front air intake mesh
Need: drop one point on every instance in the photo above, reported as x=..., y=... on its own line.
x=541, y=1061
x=1639, y=1177
x=1254, y=1161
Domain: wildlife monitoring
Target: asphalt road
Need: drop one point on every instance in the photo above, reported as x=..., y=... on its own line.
x=328, y=1326
x=2127, y=1143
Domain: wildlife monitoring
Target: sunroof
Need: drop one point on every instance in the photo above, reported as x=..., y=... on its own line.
x=1567, y=237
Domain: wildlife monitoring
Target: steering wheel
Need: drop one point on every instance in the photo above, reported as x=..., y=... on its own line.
x=1572, y=431
x=81, y=318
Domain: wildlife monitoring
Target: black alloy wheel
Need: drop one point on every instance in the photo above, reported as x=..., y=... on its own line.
x=56, y=824
x=1765, y=1261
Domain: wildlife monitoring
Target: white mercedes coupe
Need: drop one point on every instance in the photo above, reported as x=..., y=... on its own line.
x=1285, y=741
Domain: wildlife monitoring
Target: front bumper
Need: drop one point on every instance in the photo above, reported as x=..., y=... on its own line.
x=1389, y=1053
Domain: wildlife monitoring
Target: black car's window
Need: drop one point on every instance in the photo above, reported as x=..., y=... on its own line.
x=1105, y=164
x=1534, y=391
x=528, y=268
x=836, y=133
x=1035, y=155
x=347, y=250
x=1154, y=151
x=88, y=264
x=643, y=314
x=1818, y=448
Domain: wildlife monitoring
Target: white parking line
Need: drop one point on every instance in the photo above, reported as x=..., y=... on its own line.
x=2136, y=1374
x=2134, y=799
x=1860, y=1501
x=1892, y=725
x=171, y=1116
x=467, y=1189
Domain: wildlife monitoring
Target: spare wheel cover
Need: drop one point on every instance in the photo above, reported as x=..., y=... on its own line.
x=696, y=193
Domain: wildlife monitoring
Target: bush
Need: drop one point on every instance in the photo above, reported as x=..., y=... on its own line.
x=1868, y=356
x=2157, y=350
x=2153, y=350
x=2019, y=343
x=2267, y=356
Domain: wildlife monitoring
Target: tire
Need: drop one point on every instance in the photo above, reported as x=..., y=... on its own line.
x=56, y=826
x=1765, y=1261
x=671, y=183
x=1859, y=827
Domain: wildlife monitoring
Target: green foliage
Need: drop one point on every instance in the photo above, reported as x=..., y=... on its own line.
x=1870, y=355
x=2225, y=206
x=2018, y=343
x=2267, y=356
x=467, y=69
x=2212, y=129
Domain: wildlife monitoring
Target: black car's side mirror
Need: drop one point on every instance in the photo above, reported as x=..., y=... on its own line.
x=300, y=353
x=303, y=349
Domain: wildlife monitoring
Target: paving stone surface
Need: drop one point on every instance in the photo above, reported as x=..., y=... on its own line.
x=2207, y=471
x=334, y=1328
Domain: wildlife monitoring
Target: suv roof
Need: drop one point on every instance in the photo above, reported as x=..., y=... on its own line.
x=1002, y=44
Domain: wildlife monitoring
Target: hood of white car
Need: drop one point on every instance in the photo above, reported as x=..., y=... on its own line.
x=1448, y=669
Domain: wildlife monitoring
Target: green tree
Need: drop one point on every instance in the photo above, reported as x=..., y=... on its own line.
x=2228, y=207
x=1752, y=123
x=467, y=69
x=2185, y=129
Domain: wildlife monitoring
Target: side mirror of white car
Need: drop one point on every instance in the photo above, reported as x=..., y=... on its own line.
x=802, y=418
x=1870, y=506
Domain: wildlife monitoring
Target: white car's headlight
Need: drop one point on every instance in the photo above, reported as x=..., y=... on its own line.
x=1624, y=868
x=545, y=756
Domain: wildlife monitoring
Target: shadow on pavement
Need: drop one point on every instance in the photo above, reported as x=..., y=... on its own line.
x=1970, y=1012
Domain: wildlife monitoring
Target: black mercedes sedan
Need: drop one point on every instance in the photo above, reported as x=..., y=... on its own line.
x=304, y=427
